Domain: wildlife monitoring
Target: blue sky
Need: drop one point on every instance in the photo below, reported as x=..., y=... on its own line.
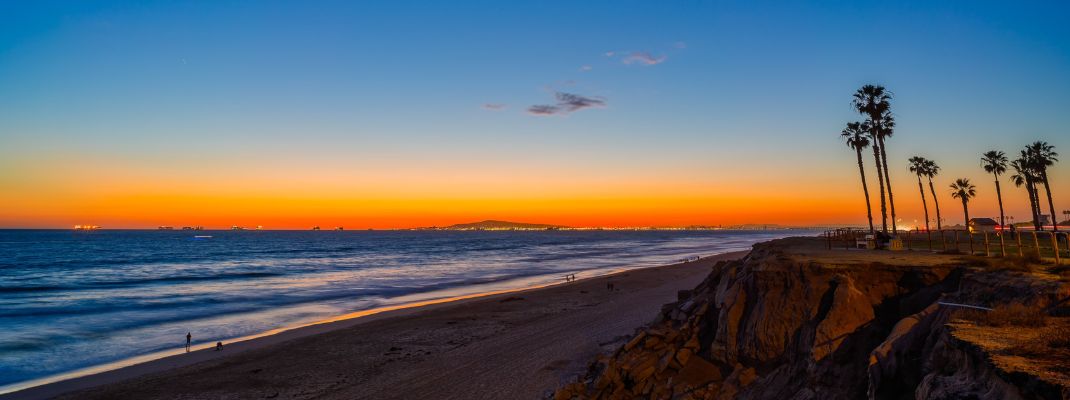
x=361, y=85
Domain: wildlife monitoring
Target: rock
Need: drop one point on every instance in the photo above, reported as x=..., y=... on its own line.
x=789, y=327
x=683, y=355
x=635, y=341
x=697, y=372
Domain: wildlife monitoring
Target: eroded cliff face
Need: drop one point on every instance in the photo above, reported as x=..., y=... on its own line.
x=776, y=325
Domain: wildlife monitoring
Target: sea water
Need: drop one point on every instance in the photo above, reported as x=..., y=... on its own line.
x=75, y=299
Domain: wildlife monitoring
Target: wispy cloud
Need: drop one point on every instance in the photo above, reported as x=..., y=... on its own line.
x=543, y=109
x=574, y=102
x=586, y=68
x=567, y=103
x=680, y=45
x=494, y=106
x=643, y=58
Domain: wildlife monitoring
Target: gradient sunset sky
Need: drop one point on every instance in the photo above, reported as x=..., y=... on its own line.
x=400, y=114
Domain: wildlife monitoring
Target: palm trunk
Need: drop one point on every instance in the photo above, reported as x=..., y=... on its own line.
x=999, y=197
x=924, y=205
x=880, y=180
x=966, y=213
x=936, y=202
x=888, y=184
x=1031, y=188
x=865, y=189
x=1051, y=205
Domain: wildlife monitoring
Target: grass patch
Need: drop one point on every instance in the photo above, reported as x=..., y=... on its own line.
x=1051, y=342
x=1014, y=314
x=1029, y=263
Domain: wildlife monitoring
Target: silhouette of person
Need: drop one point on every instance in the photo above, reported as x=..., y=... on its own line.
x=218, y=346
x=189, y=338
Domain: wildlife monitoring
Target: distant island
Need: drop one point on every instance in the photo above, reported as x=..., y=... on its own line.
x=493, y=225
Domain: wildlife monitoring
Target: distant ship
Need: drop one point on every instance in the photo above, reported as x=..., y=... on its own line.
x=338, y=228
x=193, y=228
x=316, y=228
x=86, y=227
x=166, y=228
x=237, y=228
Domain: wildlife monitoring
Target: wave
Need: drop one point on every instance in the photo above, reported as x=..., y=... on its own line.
x=136, y=282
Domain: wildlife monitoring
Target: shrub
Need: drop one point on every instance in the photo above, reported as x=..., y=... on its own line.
x=976, y=262
x=1053, y=341
x=1032, y=257
x=1015, y=263
x=1014, y=314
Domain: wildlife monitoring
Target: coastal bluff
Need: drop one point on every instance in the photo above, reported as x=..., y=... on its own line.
x=794, y=320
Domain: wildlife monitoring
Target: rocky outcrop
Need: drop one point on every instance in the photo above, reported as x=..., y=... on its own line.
x=777, y=326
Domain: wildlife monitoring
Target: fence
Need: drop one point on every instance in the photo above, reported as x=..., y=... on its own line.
x=1044, y=244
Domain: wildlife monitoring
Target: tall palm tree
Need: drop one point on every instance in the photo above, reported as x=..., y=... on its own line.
x=1026, y=176
x=880, y=177
x=917, y=166
x=874, y=102
x=931, y=170
x=995, y=163
x=855, y=135
x=1044, y=156
x=963, y=190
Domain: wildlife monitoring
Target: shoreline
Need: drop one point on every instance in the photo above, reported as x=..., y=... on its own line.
x=163, y=361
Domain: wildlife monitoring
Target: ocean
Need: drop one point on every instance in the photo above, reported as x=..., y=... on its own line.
x=76, y=299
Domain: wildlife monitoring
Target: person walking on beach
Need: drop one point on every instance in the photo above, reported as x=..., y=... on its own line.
x=189, y=338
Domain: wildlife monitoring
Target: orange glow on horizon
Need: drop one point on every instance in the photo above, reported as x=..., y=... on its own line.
x=304, y=213
x=53, y=191
x=58, y=192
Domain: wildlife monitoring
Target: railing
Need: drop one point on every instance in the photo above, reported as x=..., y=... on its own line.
x=1044, y=244
x=847, y=238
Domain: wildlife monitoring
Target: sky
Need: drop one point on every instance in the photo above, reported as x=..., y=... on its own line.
x=400, y=114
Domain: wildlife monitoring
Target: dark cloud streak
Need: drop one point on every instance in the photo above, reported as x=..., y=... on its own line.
x=567, y=103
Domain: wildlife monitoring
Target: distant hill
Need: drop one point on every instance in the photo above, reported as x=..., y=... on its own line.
x=492, y=224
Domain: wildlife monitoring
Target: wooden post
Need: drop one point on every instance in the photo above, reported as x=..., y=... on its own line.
x=929, y=234
x=943, y=241
x=1002, y=245
x=1036, y=243
x=987, y=252
x=1018, y=238
x=1066, y=241
x=907, y=234
x=969, y=235
x=1055, y=247
x=956, y=233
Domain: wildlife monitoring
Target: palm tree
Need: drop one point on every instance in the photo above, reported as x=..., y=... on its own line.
x=963, y=190
x=1025, y=175
x=874, y=102
x=931, y=170
x=917, y=166
x=1044, y=156
x=995, y=163
x=855, y=135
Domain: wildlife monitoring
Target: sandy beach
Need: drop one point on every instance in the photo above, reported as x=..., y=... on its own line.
x=516, y=345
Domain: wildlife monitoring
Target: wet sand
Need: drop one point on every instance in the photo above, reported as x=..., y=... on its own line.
x=516, y=345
